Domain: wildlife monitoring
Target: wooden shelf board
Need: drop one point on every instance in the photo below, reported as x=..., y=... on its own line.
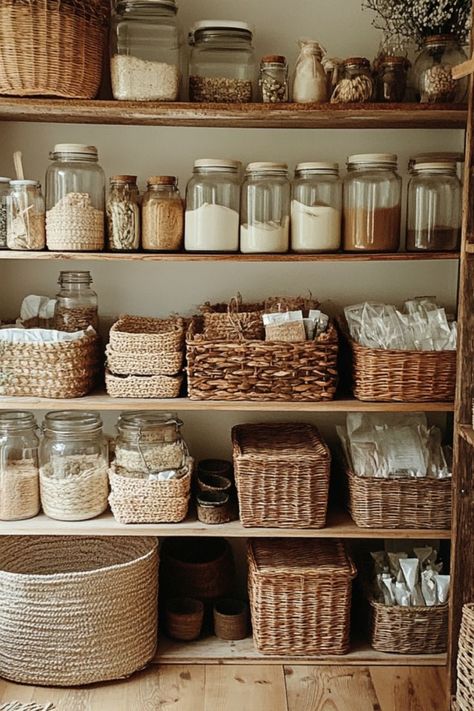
x=467, y=433
x=234, y=115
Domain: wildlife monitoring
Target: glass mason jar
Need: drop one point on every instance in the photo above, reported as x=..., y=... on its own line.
x=222, y=62
x=19, y=470
x=432, y=71
x=316, y=208
x=148, y=443
x=273, y=79
x=76, y=303
x=357, y=83
x=162, y=215
x=25, y=215
x=123, y=214
x=145, y=49
x=372, y=198
x=75, y=196
x=434, y=208
x=213, y=206
x=265, y=223
x=4, y=199
x=392, y=79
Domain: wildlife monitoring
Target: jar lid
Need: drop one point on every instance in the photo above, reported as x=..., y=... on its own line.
x=220, y=25
x=361, y=158
x=12, y=420
x=162, y=180
x=144, y=420
x=123, y=179
x=26, y=183
x=400, y=61
x=75, y=277
x=5, y=180
x=266, y=167
x=441, y=165
x=71, y=422
x=318, y=167
x=75, y=148
x=273, y=59
x=217, y=163
x=362, y=61
x=147, y=3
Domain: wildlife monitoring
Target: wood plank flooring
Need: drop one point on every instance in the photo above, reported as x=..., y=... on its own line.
x=251, y=688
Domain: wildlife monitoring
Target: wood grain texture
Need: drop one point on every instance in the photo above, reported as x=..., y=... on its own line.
x=245, y=688
x=410, y=689
x=315, y=688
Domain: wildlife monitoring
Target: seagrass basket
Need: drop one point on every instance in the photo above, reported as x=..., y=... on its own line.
x=144, y=335
x=408, y=630
x=143, y=386
x=465, y=675
x=152, y=363
x=76, y=610
x=233, y=321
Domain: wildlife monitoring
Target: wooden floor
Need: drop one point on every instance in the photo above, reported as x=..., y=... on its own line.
x=247, y=688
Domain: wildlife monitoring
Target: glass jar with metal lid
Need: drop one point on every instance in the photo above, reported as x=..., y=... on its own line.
x=19, y=469
x=273, y=79
x=162, y=215
x=4, y=199
x=391, y=81
x=432, y=71
x=265, y=222
x=372, y=203
x=25, y=215
x=123, y=214
x=145, y=50
x=434, y=207
x=316, y=208
x=73, y=466
x=356, y=84
x=76, y=303
x=212, y=206
x=222, y=62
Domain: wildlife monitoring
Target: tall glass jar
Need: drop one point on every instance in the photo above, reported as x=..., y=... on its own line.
x=123, y=214
x=73, y=466
x=372, y=203
x=432, y=71
x=76, y=303
x=273, y=79
x=162, y=215
x=148, y=443
x=434, y=208
x=25, y=215
x=75, y=196
x=265, y=222
x=4, y=199
x=222, y=63
x=212, y=207
x=19, y=470
x=145, y=50
x=316, y=208
x=392, y=79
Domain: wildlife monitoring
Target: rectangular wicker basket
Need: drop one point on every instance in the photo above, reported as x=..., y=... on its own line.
x=282, y=475
x=408, y=630
x=300, y=596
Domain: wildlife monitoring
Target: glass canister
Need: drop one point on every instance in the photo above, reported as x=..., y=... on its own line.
x=145, y=50
x=75, y=197
x=265, y=223
x=432, y=71
x=372, y=200
x=76, y=303
x=316, y=208
x=73, y=466
x=162, y=215
x=273, y=79
x=4, y=198
x=392, y=79
x=19, y=469
x=222, y=62
x=149, y=443
x=213, y=206
x=123, y=214
x=434, y=208
x=356, y=84
x=25, y=215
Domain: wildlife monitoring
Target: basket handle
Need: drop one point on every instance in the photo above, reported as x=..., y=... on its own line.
x=232, y=313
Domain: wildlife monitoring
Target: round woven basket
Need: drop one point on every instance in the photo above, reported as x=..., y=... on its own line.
x=184, y=617
x=76, y=610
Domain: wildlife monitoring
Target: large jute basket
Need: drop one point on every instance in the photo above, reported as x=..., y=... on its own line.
x=76, y=610
x=141, y=334
x=465, y=676
x=52, y=47
x=408, y=630
x=300, y=596
x=281, y=474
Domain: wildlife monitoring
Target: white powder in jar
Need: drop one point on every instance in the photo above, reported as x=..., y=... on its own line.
x=211, y=228
x=135, y=79
x=272, y=237
x=315, y=229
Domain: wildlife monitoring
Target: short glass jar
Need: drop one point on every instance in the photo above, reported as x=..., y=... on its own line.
x=123, y=214
x=432, y=71
x=434, y=208
x=372, y=203
x=162, y=215
x=73, y=466
x=391, y=81
x=213, y=206
x=4, y=199
x=316, y=208
x=356, y=84
x=265, y=221
x=145, y=49
x=75, y=197
x=148, y=443
x=222, y=62
x=25, y=215
x=76, y=303
x=19, y=469
x=273, y=79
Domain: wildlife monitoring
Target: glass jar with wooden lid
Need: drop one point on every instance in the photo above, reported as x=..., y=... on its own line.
x=273, y=79
x=162, y=215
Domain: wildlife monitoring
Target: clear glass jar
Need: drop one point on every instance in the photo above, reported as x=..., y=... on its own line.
x=123, y=214
x=76, y=303
x=145, y=49
x=434, y=208
x=222, y=63
x=316, y=208
x=73, y=466
x=4, y=199
x=25, y=215
x=273, y=79
x=19, y=469
x=432, y=71
x=372, y=199
x=213, y=206
x=265, y=222
x=162, y=215
x=392, y=80
x=356, y=84
x=148, y=443
x=75, y=197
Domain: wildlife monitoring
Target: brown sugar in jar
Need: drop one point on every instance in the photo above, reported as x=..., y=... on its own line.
x=162, y=216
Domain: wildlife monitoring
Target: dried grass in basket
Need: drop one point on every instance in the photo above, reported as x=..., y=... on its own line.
x=141, y=334
x=465, y=663
x=234, y=321
x=408, y=630
x=282, y=475
x=152, y=363
x=143, y=386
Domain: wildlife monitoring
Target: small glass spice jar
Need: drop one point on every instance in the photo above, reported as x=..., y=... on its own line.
x=316, y=208
x=123, y=214
x=162, y=215
x=25, y=216
x=391, y=81
x=356, y=84
x=432, y=71
x=265, y=221
x=273, y=80
x=4, y=198
x=19, y=468
x=149, y=443
x=76, y=303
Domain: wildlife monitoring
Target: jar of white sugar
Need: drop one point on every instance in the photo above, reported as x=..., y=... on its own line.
x=145, y=50
x=265, y=224
x=316, y=208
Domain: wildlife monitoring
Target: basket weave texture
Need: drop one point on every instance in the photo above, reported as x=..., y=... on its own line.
x=300, y=596
x=52, y=47
x=408, y=630
x=143, y=386
x=282, y=475
x=76, y=610
x=465, y=676
x=141, y=334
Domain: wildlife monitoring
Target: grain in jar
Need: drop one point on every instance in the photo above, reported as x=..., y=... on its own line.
x=162, y=215
x=148, y=443
x=123, y=214
x=76, y=303
x=4, y=200
x=316, y=208
x=25, y=216
x=19, y=469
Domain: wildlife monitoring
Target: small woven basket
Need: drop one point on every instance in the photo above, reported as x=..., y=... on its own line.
x=143, y=386
x=214, y=507
x=153, y=363
x=140, y=334
x=465, y=676
x=408, y=630
x=184, y=617
x=233, y=321
x=231, y=619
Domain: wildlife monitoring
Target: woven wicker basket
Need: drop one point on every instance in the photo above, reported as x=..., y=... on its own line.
x=465, y=677
x=140, y=334
x=281, y=474
x=52, y=47
x=153, y=363
x=408, y=630
x=234, y=321
x=77, y=498
x=76, y=610
x=143, y=386
x=300, y=596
